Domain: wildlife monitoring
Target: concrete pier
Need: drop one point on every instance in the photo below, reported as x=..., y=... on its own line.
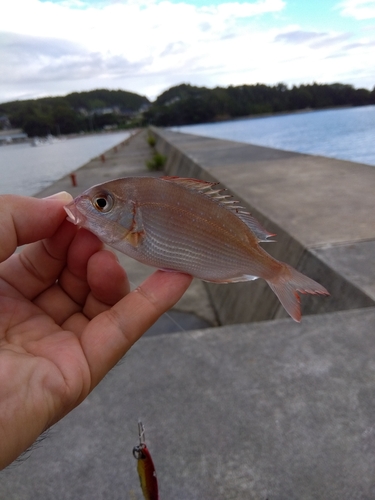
x=322, y=211
x=260, y=408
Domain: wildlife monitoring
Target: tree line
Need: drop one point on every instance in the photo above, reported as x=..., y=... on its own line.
x=180, y=105
x=186, y=104
x=74, y=113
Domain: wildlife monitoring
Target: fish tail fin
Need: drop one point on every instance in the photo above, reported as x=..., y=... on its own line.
x=286, y=286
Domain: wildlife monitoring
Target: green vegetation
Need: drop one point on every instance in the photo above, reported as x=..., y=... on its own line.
x=77, y=112
x=157, y=162
x=186, y=104
x=180, y=105
x=151, y=140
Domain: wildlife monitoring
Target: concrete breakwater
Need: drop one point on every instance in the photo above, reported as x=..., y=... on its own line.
x=321, y=209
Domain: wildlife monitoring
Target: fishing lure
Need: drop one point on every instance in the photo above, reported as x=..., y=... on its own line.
x=145, y=467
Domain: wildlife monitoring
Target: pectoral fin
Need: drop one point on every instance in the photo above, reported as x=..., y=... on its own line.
x=136, y=232
x=134, y=238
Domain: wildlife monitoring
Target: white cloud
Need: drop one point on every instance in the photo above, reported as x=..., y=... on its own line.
x=73, y=41
x=359, y=9
x=147, y=46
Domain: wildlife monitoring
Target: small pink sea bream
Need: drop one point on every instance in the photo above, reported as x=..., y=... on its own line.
x=187, y=225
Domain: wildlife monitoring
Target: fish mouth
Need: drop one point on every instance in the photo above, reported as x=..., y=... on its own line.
x=74, y=215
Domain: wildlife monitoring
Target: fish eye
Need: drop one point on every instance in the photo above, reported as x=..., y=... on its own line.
x=103, y=202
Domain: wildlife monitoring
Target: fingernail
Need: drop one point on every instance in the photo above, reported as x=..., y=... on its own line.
x=63, y=196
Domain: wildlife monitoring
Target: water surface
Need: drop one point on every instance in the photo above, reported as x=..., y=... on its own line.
x=346, y=134
x=27, y=170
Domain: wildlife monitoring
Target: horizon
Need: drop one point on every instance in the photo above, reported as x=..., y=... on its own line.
x=149, y=46
x=182, y=83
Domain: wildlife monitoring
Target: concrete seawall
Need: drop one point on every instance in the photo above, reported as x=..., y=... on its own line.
x=321, y=209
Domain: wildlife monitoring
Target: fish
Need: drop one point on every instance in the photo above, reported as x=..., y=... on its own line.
x=190, y=226
x=145, y=467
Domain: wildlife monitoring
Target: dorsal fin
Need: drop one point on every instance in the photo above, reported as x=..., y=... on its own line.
x=220, y=196
x=190, y=183
x=255, y=226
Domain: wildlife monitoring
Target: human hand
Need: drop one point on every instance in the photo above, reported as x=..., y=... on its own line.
x=66, y=316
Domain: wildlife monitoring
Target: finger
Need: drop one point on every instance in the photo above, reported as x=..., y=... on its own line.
x=108, y=283
x=70, y=295
x=25, y=219
x=39, y=264
x=55, y=303
x=85, y=245
x=108, y=336
x=73, y=279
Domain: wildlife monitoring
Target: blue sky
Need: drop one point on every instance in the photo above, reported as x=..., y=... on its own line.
x=147, y=46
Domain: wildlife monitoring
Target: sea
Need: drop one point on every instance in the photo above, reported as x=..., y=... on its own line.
x=27, y=170
x=345, y=134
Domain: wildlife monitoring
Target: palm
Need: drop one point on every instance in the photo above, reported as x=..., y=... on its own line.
x=66, y=318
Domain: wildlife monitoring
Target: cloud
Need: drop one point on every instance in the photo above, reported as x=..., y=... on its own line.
x=147, y=46
x=360, y=45
x=76, y=40
x=314, y=39
x=298, y=36
x=23, y=56
x=16, y=45
x=331, y=39
x=174, y=48
x=359, y=9
x=43, y=59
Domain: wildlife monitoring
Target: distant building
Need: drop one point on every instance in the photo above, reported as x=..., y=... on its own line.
x=11, y=136
x=4, y=123
x=108, y=128
x=145, y=107
x=172, y=101
x=106, y=111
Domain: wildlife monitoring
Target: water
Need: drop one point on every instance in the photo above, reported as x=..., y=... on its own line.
x=27, y=170
x=346, y=134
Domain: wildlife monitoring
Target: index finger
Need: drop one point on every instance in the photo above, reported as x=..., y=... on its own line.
x=25, y=220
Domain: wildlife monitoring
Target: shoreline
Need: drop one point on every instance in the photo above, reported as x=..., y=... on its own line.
x=331, y=135
x=275, y=114
x=54, y=138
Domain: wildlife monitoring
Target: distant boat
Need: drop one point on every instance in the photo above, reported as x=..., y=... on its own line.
x=36, y=142
x=44, y=141
x=12, y=136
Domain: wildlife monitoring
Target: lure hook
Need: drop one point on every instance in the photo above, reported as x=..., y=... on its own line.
x=138, y=453
x=145, y=467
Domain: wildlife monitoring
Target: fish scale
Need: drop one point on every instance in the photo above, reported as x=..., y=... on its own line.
x=186, y=225
x=182, y=250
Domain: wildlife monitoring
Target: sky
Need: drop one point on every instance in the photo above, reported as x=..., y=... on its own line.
x=147, y=46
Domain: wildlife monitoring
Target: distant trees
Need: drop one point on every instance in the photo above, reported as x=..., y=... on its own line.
x=76, y=112
x=181, y=105
x=186, y=104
